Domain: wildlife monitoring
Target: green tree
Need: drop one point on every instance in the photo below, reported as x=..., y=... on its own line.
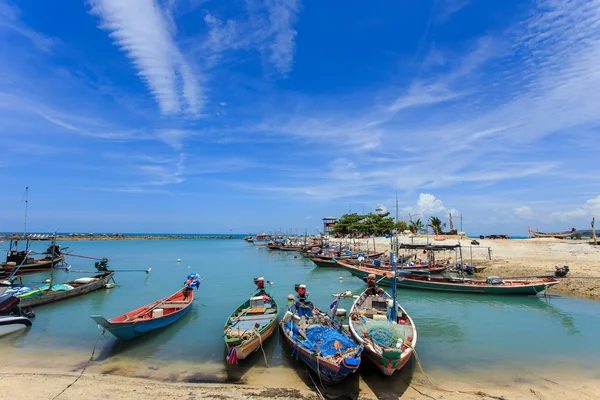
x=416, y=226
x=436, y=224
x=369, y=224
x=348, y=224
x=401, y=226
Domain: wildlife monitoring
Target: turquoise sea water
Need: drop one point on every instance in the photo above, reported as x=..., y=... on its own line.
x=456, y=332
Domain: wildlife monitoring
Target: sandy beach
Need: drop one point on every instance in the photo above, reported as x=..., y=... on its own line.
x=521, y=258
x=276, y=383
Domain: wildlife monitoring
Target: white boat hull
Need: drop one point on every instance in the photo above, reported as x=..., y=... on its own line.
x=13, y=324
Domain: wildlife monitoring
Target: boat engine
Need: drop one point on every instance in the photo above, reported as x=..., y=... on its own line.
x=9, y=305
x=301, y=290
x=260, y=282
x=561, y=271
x=102, y=265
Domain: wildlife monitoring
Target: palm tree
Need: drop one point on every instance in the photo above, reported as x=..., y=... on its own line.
x=436, y=225
x=415, y=226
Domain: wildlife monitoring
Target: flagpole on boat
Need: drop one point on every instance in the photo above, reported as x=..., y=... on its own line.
x=394, y=314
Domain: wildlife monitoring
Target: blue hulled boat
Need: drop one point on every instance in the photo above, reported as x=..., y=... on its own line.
x=152, y=316
x=319, y=341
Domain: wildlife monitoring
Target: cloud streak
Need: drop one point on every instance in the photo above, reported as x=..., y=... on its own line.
x=141, y=30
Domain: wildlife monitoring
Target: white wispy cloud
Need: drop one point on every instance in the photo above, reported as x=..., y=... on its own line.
x=524, y=212
x=10, y=21
x=268, y=29
x=141, y=30
x=591, y=208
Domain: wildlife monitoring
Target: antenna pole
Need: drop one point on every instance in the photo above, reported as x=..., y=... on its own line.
x=26, y=206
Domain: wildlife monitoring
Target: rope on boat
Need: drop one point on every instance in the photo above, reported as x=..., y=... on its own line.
x=84, y=368
x=263, y=350
x=314, y=383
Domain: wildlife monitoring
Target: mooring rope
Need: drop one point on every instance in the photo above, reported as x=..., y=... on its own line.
x=314, y=383
x=84, y=368
x=441, y=389
x=263, y=350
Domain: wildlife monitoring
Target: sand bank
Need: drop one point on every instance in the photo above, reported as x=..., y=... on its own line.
x=519, y=258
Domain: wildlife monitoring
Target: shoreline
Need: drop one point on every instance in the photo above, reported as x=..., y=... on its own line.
x=281, y=383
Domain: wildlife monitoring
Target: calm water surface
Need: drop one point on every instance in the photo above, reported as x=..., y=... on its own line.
x=456, y=332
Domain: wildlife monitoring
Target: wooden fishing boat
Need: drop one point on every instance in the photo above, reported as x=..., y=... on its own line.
x=57, y=292
x=383, y=276
x=319, y=341
x=18, y=259
x=491, y=285
x=383, y=327
x=291, y=248
x=250, y=324
x=152, y=316
x=329, y=260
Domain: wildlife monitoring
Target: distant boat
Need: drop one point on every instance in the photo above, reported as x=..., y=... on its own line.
x=153, y=316
x=19, y=260
x=384, y=276
x=388, y=338
x=320, y=342
x=250, y=324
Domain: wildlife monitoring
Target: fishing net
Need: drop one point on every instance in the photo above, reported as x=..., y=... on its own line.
x=326, y=338
x=384, y=333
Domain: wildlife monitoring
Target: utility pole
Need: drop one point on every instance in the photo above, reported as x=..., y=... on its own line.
x=396, y=208
x=461, y=228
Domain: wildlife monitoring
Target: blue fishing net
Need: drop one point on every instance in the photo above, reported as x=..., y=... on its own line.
x=325, y=338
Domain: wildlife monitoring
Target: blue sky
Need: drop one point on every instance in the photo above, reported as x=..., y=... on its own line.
x=254, y=115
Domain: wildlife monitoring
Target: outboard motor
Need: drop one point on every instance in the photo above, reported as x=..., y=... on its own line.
x=561, y=271
x=102, y=265
x=9, y=305
x=260, y=282
x=301, y=290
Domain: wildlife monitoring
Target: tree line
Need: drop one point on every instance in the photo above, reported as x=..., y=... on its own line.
x=380, y=224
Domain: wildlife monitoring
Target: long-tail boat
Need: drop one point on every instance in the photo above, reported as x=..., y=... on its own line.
x=410, y=279
x=383, y=327
x=490, y=285
x=384, y=276
x=152, y=316
x=251, y=324
x=319, y=341
x=20, y=257
x=329, y=260
x=51, y=293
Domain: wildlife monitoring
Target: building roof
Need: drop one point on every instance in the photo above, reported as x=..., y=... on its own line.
x=330, y=218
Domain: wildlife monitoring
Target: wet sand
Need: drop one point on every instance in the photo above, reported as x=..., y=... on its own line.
x=127, y=378
x=280, y=383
